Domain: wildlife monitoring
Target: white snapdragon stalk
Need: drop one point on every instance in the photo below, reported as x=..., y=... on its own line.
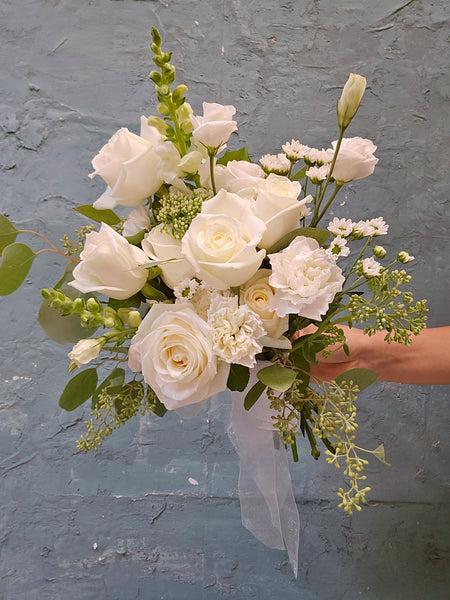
x=110, y=265
x=84, y=351
x=130, y=167
x=305, y=279
x=236, y=330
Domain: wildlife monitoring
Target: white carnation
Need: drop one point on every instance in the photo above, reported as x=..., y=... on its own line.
x=235, y=331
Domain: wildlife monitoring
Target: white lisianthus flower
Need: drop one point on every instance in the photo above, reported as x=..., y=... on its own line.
x=221, y=241
x=338, y=248
x=370, y=267
x=318, y=174
x=110, y=265
x=138, y=220
x=294, y=150
x=214, y=128
x=257, y=294
x=341, y=227
x=276, y=204
x=350, y=99
x=305, y=278
x=172, y=348
x=235, y=330
x=275, y=163
x=355, y=159
x=159, y=245
x=129, y=166
x=84, y=351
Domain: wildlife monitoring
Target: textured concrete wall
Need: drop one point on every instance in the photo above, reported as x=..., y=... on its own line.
x=126, y=523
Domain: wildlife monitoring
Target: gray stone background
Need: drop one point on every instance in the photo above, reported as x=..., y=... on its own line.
x=126, y=523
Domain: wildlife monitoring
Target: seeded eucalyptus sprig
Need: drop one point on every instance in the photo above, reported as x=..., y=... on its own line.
x=172, y=104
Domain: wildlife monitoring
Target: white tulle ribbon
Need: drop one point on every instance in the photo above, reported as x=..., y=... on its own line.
x=268, y=505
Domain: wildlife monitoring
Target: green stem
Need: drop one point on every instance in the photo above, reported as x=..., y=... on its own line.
x=333, y=162
x=180, y=138
x=328, y=204
x=211, y=170
x=69, y=258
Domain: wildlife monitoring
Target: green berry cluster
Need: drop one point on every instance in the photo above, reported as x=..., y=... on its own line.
x=75, y=247
x=177, y=210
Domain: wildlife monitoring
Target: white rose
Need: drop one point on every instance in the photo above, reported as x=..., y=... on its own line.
x=172, y=348
x=110, y=265
x=159, y=245
x=86, y=350
x=130, y=167
x=305, y=278
x=257, y=294
x=138, y=220
x=355, y=159
x=214, y=128
x=276, y=204
x=240, y=177
x=221, y=241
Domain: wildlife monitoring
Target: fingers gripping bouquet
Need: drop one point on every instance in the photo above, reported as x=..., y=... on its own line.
x=206, y=282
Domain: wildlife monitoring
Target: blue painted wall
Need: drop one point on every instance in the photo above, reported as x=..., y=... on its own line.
x=126, y=523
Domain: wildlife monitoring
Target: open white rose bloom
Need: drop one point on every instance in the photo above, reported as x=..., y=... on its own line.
x=208, y=284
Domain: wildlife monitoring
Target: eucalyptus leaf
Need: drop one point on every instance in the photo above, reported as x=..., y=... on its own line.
x=238, y=378
x=8, y=232
x=241, y=154
x=16, y=263
x=79, y=389
x=360, y=377
x=99, y=216
x=320, y=235
x=277, y=377
x=113, y=384
x=253, y=394
x=137, y=238
x=379, y=454
x=300, y=174
x=158, y=408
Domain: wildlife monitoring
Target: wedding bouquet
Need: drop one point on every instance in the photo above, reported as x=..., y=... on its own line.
x=207, y=284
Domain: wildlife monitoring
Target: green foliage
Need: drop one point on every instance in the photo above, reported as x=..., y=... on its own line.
x=62, y=329
x=8, y=232
x=301, y=173
x=362, y=378
x=389, y=308
x=241, y=154
x=238, y=378
x=16, y=263
x=99, y=216
x=253, y=394
x=79, y=389
x=112, y=385
x=321, y=235
x=277, y=377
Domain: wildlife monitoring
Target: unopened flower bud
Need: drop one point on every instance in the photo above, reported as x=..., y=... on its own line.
x=404, y=257
x=84, y=351
x=78, y=305
x=93, y=305
x=350, y=99
x=134, y=318
x=379, y=251
x=158, y=124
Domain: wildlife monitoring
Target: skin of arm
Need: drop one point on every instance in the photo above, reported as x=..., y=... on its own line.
x=425, y=362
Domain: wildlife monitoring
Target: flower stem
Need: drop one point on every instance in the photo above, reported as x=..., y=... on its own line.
x=211, y=170
x=328, y=204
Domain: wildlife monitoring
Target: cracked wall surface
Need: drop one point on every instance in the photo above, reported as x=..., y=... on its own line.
x=154, y=514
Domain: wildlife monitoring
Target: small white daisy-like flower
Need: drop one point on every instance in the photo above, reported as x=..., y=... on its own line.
x=338, y=247
x=275, y=163
x=305, y=211
x=294, y=150
x=370, y=267
x=404, y=257
x=362, y=229
x=185, y=290
x=318, y=174
x=379, y=226
x=319, y=157
x=342, y=227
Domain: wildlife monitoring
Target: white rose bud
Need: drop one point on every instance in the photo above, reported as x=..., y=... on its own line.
x=350, y=99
